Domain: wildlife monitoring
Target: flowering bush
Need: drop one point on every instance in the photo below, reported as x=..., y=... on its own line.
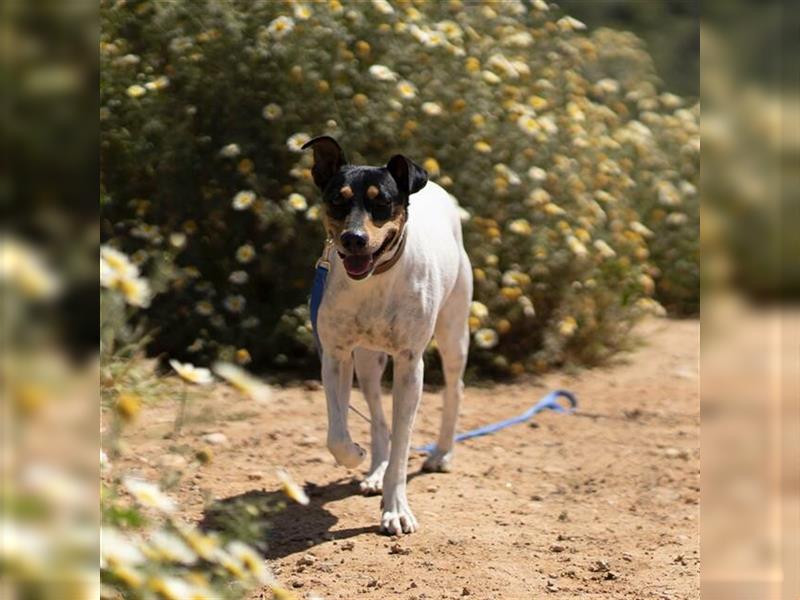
x=575, y=174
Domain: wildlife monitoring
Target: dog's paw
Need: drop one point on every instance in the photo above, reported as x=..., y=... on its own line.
x=399, y=520
x=373, y=482
x=347, y=454
x=439, y=461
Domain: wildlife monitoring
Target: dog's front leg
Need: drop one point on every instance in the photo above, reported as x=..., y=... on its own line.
x=397, y=517
x=337, y=379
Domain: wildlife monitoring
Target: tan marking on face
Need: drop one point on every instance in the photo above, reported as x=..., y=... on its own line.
x=372, y=192
x=379, y=232
x=333, y=228
x=346, y=192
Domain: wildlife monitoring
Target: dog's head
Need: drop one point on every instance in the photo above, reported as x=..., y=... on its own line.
x=365, y=208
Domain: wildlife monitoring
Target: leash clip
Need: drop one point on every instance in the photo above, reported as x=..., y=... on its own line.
x=324, y=260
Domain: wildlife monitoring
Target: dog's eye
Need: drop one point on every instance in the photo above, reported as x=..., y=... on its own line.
x=381, y=211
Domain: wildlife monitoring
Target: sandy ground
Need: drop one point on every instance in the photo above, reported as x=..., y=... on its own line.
x=601, y=504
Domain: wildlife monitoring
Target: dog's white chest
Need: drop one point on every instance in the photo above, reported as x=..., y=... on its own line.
x=383, y=318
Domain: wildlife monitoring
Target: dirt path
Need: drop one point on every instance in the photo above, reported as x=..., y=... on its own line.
x=603, y=504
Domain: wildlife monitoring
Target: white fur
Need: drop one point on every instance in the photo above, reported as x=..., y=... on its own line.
x=426, y=293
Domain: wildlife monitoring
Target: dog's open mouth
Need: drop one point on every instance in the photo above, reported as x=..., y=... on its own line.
x=358, y=266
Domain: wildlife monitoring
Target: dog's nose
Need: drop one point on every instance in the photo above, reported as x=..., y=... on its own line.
x=354, y=241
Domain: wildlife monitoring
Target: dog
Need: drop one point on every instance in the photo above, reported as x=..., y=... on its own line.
x=398, y=278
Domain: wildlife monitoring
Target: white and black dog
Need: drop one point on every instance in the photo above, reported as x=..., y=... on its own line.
x=399, y=276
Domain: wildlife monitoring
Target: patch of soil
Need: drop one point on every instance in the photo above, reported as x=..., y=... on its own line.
x=601, y=504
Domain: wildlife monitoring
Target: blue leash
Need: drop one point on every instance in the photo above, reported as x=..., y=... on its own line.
x=317, y=291
x=549, y=402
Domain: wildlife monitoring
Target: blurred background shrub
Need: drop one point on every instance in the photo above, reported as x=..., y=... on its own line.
x=576, y=170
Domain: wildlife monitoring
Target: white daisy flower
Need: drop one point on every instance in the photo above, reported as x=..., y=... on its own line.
x=296, y=141
x=235, y=303
x=451, y=29
x=382, y=73
x=651, y=306
x=297, y=202
x=245, y=383
x=568, y=23
x=486, y=338
x=538, y=197
x=433, y=109
x=292, y=488
x=280, y=27
x=668, y=194
x=171, y=548
x=406, y=89
x=578, y=249
x=271, y=111
x=230, y=151
x=159, y=83
x=135, y=290
x=23, y=266
x=537, y=174
x=238, y=277
x=604, y=249
x=136, y=91
x=478, y=309
x=490, y=77
x=500, y=63
x=687, y=188
x=206, y=546
x=149, y=495
x=177, y=239
x=192, y=374
x=312, y=214
x=243, y=200
x=245, y=253
x=171, y=588
x=677, y=219
x=204, y=307
x=302, y=12
x=252, y=561
x=383, y=7
x=554, y=210
x=434, y=39
x=637, y=227
x=567, y=326
x=117, y=261
x=117, y=549
x=520, y=227
x=528, y=124
x=607, y=86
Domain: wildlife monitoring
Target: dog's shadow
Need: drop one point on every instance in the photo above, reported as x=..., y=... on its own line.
x=280, y=527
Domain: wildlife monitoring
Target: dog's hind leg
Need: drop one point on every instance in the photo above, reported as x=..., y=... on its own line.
x=369, y=370
x=452, y=339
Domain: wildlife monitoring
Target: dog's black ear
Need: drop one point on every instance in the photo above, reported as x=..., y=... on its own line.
x=410, y=177
x=328, y=159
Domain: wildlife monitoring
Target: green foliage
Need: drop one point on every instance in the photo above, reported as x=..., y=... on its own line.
x=555, y=142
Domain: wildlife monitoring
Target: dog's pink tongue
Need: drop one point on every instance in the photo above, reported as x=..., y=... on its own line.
x=357, y=264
